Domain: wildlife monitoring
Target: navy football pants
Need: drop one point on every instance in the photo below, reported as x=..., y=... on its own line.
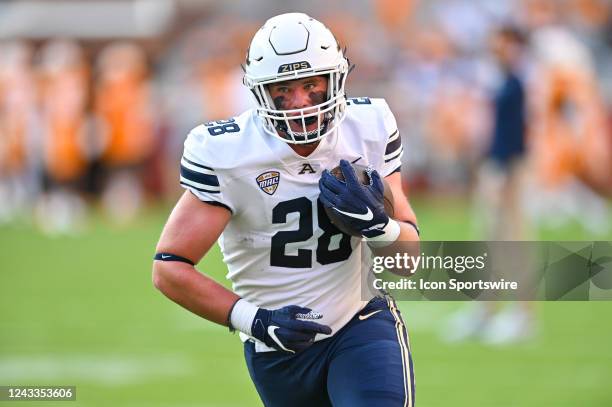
x=365, y=364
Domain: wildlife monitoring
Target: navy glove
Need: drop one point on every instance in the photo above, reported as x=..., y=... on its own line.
x=281, y=330
x=360, y=206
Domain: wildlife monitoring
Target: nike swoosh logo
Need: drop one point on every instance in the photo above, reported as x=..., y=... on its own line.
x=363, y=216
x=272, y=335
x=165, y=257
x=366, y=316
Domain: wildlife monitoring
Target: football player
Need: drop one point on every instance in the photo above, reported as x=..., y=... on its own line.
x=258, y=183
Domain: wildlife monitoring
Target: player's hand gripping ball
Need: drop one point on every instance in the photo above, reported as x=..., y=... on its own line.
x=356, y=199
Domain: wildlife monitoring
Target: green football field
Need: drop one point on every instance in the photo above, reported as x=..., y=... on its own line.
x=82, y=311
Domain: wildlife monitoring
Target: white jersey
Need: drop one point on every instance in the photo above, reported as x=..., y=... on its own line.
x=279, y=246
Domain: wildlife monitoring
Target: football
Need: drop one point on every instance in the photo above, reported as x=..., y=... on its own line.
x=364, y=178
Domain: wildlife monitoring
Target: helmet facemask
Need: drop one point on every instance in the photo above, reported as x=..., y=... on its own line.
x=328, y=114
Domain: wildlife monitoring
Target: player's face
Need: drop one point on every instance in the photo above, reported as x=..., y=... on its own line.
x=300, y=94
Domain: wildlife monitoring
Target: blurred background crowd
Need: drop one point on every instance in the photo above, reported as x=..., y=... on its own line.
x=505, y=113
x=507, y=101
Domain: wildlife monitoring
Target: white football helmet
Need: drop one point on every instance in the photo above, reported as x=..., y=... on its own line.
x=294, y=46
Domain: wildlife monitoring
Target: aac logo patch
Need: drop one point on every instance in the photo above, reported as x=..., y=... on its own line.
x=268, y=181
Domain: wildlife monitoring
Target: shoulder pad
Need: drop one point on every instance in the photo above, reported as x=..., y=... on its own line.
x=372, y=111
x=216, y=143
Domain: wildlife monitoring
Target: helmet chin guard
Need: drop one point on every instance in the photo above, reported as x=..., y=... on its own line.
x=296, y=46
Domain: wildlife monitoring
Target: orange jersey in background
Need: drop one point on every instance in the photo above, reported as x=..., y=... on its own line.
x=64, y=103
x=569, y=136
x=17, y=106
x=123, y=107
